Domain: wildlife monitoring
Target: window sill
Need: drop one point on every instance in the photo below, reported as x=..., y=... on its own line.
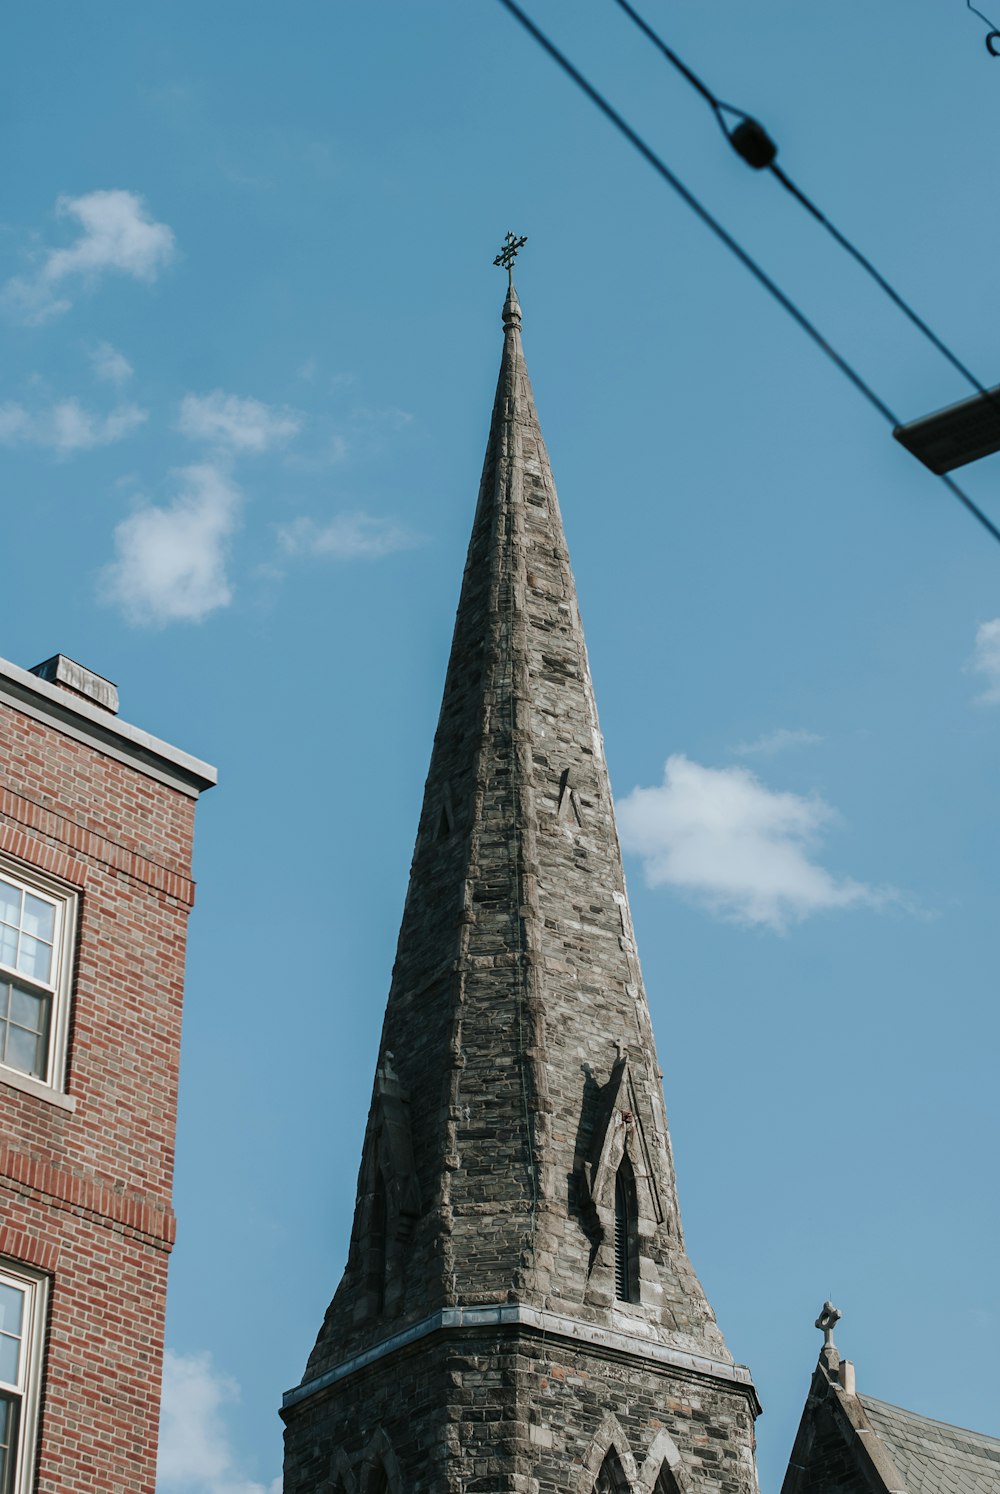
x=29, y=1086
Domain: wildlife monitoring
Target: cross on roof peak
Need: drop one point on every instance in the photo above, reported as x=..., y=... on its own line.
x=827, y=1321
x=509, y=251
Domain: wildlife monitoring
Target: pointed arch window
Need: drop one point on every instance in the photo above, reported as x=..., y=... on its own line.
x=378, y=1480
x=626, y=1235
x=611, y=1479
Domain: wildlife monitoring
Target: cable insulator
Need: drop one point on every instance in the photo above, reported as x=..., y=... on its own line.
x=751, y=141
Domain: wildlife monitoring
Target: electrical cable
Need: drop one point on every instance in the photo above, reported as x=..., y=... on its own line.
x=994, y=34
x=750, y=141
x=725, y=237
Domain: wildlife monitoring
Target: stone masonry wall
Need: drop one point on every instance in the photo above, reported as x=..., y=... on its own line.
x=475, y=1414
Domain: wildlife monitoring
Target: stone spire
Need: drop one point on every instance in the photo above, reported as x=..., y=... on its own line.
x=517, y=1164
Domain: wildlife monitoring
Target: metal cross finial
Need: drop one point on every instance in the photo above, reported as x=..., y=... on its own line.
x=508, y=253
x=827, y=1321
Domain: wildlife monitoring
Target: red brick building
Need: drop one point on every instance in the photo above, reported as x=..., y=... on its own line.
x=96, y=821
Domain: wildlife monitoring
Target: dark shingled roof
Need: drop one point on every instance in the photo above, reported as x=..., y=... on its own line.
x=932, y=1457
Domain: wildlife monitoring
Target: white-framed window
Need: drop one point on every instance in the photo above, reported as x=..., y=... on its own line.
x=22, y=1326
x=37, y=925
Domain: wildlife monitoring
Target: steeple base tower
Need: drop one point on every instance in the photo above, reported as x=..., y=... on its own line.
x=496, y=1399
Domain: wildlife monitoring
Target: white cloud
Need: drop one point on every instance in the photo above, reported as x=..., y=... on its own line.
x=779, y=740
x=239, y=424
x=67, y=426
x=110, y=365
x=171, y=561
x=386, y=417
x=739, y=848
x=117, y=235
x=347, y=537
x=986, y=660
x=196, y=1454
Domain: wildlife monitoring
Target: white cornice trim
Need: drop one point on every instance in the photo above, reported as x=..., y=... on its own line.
x=76, y=717
x=553, y=1325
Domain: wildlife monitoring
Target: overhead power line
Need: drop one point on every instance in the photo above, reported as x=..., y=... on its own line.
x=751, y=141
x=735, y=248
x=993, y=35
x=945, y=439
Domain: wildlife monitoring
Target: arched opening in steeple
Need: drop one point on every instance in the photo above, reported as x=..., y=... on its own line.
x=379, y=1471
x=611, y=1479
x=666, y=1483
x=626, y=1235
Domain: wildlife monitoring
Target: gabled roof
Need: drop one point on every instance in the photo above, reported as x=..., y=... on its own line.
x=854, y=1444
x=933, y=1457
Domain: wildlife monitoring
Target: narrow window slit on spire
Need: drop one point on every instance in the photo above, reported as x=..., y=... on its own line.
x=568, y=803
x=377, y=1256
x=626, y=1274
x=446, y=814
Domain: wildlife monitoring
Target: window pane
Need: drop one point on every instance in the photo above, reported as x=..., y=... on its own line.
x=34, y=958
x=10, y=1356
x=9, y=1407
x=10, y=903
x=39, y=918
x=8, y=945
x=25, y=1051
x=11, y=1309
x=27, y=1009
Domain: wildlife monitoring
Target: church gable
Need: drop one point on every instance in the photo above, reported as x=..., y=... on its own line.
x=620, y=1136
x=853, y=1444
x=622, y=1209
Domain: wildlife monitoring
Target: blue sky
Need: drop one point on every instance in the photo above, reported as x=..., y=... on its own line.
x=252, y=331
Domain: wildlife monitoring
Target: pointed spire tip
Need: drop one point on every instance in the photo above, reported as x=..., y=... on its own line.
x=505, y=259
x=511, y=310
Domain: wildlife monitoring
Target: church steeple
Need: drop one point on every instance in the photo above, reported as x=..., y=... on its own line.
x=517, y=1175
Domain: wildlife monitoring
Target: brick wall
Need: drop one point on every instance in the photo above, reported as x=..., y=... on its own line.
x=85, y=1192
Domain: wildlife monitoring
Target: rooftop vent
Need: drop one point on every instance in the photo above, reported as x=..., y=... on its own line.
x=71, y=676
